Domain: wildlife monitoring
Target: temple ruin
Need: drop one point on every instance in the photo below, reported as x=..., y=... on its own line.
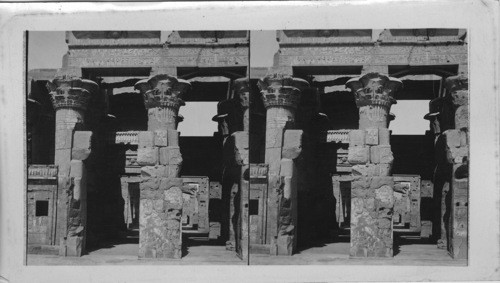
x=303, y=153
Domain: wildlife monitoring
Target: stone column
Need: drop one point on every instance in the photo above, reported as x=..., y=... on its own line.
x=233, y=118
x=70, y=98
x=160, y=229
x=372, y=200
x=281, y=96
x=457, y=152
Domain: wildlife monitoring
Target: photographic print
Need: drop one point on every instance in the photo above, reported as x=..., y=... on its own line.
x=252, y=142
x=146, y=148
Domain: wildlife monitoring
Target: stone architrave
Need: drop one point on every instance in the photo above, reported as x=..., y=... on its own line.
x=70, y=98
x=281, y=96
x=159, y=153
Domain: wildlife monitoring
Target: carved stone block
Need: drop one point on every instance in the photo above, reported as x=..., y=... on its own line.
x=453, y=138
x=146, y=139
x=147, y=156
x=82, y=139
x=170, y=155
x=365, y=170
x=372, y=204
x=462, y=117
x=292, y=144
x=286, y=169
x=384, y=169
x=173, y=137
x=457, y=154
x=381, y=154
x=161, y=138
x=274, y=137
x=64, y=139
x=82, y=145
x=172, y=171
x=241, y=140
x=273, y=159
x=153, y=171
x=358, y=154
x=357, y=138
x=384, y=136
x=371, y=137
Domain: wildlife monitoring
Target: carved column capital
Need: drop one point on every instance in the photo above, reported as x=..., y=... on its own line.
x=281, y=90
x=163, y=91
x=374, y=94
x=71, y=92
x=374, y=89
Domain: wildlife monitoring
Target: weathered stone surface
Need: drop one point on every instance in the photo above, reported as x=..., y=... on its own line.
x=384, y=169
x=82, y=139
x=381, y=154
x=274, y=137
x=146, y=139
x=160, y=225
x=358, y=154
x=173, y=137
x=384, y=136
x=241, y=140
x=357, y=138
x=273, y=159
x=365, y=169
x=453, y=138
x=457, y=154
x=167, y=183
x=170, y=155
x=147, y=156
x=292, y=144
x=287, y=187
x=161, y=138
x=286, y=169
x=64, y=139
x=77, y=168
x=72, y=246
x=372, y=201
x=462, y=117
x=153, y=171
x=285, y=245
x=464, y=138
x=371, y=137
x=82, y=145
x=172, y=171
x=150, y=184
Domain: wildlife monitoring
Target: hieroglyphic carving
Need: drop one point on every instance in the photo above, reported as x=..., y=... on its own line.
x=360, y=55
